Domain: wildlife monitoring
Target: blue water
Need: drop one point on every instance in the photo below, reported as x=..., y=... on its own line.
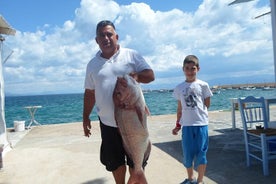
x=66, y=108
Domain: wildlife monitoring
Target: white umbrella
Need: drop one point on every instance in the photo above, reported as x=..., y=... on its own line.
x=239, y=1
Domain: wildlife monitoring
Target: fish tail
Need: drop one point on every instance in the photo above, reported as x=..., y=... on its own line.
x=137, y=177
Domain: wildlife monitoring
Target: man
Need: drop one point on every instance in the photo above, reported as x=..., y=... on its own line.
x=101, y=75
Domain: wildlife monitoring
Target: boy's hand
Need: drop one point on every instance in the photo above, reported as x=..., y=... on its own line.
x=175, y=130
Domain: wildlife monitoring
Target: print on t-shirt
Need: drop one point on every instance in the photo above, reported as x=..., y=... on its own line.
x=190, y=97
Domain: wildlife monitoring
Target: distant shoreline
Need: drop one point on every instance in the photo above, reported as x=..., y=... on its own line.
x=238, y=86
x=271, y=85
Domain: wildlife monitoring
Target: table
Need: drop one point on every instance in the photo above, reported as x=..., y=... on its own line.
x=32, y=110
x=269, y=101
x=234, y=102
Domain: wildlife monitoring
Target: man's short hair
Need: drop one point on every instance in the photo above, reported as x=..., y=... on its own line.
x=104, y=23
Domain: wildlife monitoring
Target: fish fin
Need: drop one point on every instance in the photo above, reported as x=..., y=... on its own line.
x=147, y=153
x=147, y=110
x=139, y=114
x=115, y=112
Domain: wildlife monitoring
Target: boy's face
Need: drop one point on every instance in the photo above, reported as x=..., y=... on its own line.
x=190, y=70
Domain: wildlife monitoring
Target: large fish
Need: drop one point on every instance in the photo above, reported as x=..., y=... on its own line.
x=131, y=117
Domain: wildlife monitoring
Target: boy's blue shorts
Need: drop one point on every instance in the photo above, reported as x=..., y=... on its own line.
x=195, y=145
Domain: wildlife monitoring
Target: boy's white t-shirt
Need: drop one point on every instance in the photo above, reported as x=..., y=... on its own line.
x=101, y=76
x=192, y=95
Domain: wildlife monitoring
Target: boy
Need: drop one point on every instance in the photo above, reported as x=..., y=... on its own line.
x=193, y=96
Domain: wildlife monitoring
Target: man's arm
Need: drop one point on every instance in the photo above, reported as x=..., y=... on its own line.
x=145, y=76
x=88, y=104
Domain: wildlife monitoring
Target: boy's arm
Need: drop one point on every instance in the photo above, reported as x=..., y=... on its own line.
x=178, y=113
x=207, y=102
x=178, y=117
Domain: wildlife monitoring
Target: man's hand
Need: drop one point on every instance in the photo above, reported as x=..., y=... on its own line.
x=86, y=127
x=134, y=75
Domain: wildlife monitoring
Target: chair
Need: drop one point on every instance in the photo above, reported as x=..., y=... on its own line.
x=260, y=141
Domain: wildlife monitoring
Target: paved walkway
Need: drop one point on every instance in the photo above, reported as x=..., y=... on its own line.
x=61, y=154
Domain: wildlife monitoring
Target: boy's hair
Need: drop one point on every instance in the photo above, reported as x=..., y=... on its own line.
x=191, y=59
x=104, y=23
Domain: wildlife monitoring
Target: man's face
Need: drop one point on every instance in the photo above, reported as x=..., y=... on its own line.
x=107, y=40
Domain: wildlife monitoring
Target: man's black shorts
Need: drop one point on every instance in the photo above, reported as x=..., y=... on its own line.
x=113, y=154
x=112, y=151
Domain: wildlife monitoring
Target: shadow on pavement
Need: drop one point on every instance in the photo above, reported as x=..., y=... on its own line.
x=226, y=159
x=96, y=181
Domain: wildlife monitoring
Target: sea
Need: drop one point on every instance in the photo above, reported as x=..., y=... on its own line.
x=67, y=108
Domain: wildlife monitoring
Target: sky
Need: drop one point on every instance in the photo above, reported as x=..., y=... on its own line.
x=55, y=40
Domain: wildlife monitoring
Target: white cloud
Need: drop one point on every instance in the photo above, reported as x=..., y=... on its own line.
x=227, y=40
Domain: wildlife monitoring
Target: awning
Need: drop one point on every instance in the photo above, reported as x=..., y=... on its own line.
x=5, y=28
